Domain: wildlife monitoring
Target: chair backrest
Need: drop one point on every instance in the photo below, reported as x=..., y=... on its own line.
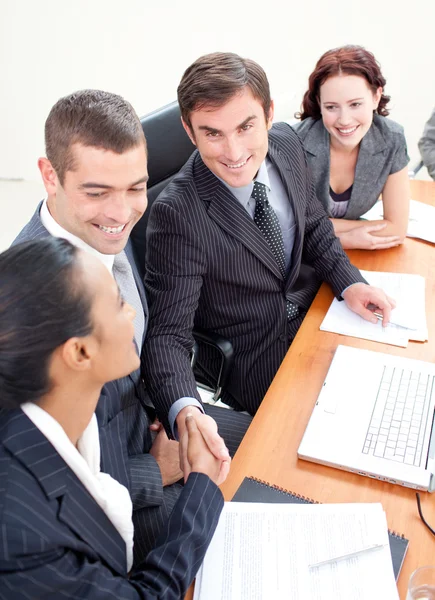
x=169, y=147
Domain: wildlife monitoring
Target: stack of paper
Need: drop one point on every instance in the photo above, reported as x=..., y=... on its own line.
x=408, y=319
x=421, y=222
x=270, y=551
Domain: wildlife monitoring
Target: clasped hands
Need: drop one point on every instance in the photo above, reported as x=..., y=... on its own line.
x=361, y=237
x=200, y=448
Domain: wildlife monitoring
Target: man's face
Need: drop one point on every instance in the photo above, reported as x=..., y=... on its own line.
x=232, y=139
x=102, y=198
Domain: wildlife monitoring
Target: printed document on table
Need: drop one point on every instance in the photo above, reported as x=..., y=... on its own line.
x=409, y=292
x=340, y=319
x=421, y=222
x=408, y=318
x=264, y=551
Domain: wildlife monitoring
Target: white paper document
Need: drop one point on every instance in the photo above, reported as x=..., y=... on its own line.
x=408, y=319
x=421, y=222
x=264, y=552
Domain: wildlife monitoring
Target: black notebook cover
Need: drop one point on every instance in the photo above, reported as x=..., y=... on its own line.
x=253, y=490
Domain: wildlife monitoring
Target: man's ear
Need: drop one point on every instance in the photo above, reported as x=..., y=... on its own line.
x=49, y=176
x=271, y=114
x=77, y=353
x=188, y=131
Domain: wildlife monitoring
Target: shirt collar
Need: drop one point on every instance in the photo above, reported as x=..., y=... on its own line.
x=56, y=230
x=244, y=193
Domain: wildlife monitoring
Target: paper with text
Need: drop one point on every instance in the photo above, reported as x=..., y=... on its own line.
x=263, y=551
x=421, y=222
x=408, y=318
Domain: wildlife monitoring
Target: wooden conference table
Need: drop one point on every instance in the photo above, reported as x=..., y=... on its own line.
x=269, y=449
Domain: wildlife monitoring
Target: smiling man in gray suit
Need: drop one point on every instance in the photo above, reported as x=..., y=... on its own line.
x=95, y=175
x=227, y=237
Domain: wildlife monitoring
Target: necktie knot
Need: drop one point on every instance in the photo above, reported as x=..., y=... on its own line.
x=121, y=263
x=259, y=193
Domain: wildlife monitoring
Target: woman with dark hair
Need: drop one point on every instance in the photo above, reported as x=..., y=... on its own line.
x=65, y=528
x=355, y=153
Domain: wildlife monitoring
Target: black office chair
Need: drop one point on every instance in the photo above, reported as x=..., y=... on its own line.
x=169, y=147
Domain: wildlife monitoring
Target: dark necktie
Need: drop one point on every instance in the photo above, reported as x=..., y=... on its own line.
x=267, y=222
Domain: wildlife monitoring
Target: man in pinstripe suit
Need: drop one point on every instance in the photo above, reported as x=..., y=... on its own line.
x=95, y=175
x=213, y=264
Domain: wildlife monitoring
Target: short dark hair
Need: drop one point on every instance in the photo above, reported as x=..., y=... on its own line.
x=215, y=78
x=347, y=60
x=42, y=305
x=92, y=118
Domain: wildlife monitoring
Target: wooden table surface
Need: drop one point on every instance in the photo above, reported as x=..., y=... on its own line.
x=269, y=449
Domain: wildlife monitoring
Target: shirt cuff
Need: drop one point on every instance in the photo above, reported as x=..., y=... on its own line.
x=345, y=289
x=176, y=408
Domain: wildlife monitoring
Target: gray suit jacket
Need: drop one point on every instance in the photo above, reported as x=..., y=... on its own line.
x=208, y=265
x=426, y=145
x=382, y=152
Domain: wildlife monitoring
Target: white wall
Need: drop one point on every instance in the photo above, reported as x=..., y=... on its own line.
x=140, y=48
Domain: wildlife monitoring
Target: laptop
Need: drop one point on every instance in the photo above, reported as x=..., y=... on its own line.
x=375, y=416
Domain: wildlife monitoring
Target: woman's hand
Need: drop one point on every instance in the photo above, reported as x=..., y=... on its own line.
x=362, y=237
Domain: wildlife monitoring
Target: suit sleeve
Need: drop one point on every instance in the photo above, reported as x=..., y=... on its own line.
x=146, y=486
x=426, y=145
x=175, y=266
x=322, y=249
x=166, y=573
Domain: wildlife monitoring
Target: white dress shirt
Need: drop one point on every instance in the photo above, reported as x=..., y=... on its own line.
x=58, y=231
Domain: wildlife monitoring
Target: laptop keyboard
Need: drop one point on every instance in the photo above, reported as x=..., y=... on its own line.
x=399, y=417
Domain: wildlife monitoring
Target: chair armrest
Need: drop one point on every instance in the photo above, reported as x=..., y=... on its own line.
x=224, y=348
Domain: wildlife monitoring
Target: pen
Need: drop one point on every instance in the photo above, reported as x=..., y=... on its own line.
x=374, y=308
x=348, y=555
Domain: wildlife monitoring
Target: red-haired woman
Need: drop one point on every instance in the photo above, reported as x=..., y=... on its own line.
x=354, y=151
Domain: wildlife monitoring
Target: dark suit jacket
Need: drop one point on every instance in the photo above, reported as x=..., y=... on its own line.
x=56, y=542
x=382, y=152
x=125, y=437
x=209, y=265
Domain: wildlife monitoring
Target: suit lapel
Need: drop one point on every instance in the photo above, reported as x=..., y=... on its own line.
x=369, y=161
x=78, y=510
x=294, y=191
x=230, y=215
x=316, y=144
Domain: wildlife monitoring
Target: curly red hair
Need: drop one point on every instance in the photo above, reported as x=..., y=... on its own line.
x=349, y=60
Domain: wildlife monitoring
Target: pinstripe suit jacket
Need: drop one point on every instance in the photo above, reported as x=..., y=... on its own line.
x=123, y=422
x=208, y=265
x=56, y=542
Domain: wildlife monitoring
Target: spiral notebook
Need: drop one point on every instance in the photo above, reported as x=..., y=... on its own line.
x=254, y=490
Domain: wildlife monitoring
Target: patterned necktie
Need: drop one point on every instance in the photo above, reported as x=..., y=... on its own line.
x=124, y=277
x=267, y=222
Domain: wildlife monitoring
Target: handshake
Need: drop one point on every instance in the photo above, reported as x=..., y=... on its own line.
x=200, y=449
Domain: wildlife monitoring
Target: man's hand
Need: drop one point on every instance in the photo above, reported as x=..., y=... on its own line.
x=167, y=455
x=363, y=238
x=360, y=295
x=208, y=429
x=199, y=457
